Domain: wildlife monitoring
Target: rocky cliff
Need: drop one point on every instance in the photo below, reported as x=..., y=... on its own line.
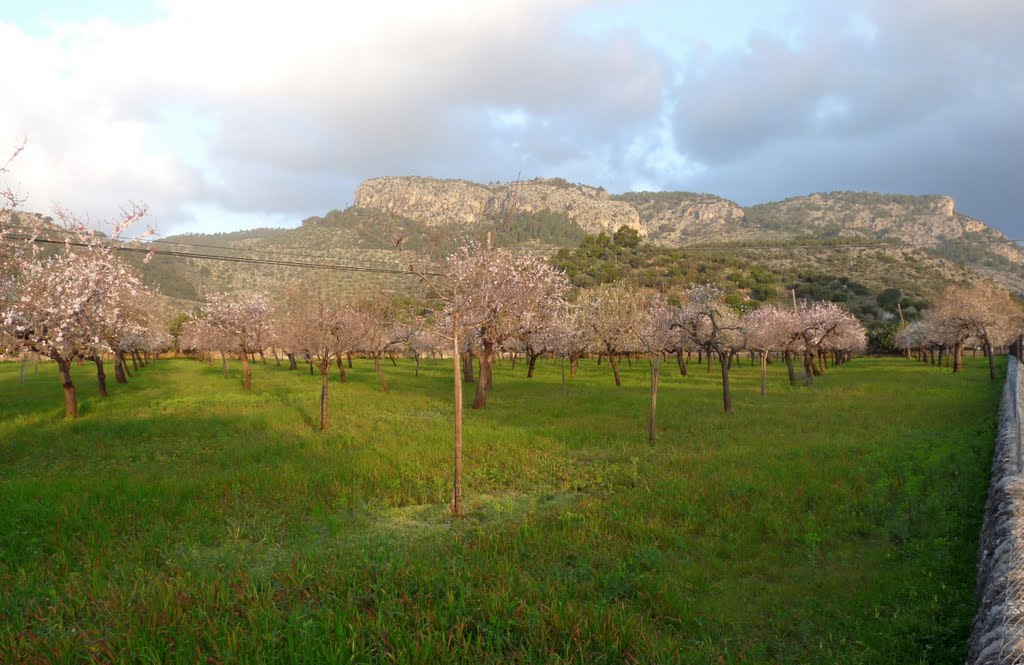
x=678, y=218
x=436, y=201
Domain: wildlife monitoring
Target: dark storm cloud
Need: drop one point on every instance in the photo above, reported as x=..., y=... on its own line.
x=917, y=97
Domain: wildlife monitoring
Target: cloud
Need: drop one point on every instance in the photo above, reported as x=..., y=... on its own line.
x=915, y=96
x=294, y=103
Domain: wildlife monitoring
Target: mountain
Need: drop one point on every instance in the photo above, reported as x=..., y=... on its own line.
x=915, y=244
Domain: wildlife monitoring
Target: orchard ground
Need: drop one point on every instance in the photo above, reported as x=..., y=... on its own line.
x=184, y=519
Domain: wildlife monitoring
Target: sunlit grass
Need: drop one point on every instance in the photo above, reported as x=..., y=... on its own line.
x=183, y=519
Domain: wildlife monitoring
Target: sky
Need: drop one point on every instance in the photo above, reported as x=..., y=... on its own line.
x=231, y=114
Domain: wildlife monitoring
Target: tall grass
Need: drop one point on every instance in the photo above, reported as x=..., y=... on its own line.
x=184, y=520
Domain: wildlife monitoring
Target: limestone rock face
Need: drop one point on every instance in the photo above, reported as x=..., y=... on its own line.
x=674, y=218
x=679, y=218
x=436, y=201
x=426, y=200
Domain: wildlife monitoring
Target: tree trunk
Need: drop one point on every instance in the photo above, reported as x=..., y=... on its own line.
x=380, y=373
x=574, y=364
x=263, y=358
x=342, y=377
x=808, y=368
x=101, y=376
x=247, y=371
x=325, y=366
x=563, y=377
x=681, y=362
x=615, y=369
x=24, y=362
x=70, y=399
x=135, y=365
x=224, y=363
x=726, y=393
x=788, y=355
x=277, y=358
x=515, y=357
x=655, y=371
x=764, y=372
x=467, y=367
x=483, y=384
x=456, y=505
x=417, y=356
x=349, y=357
x=393, y=363
x=291, y=361
x=533, y=364
x=958, y=357
x=991, y=360
x=119, y=367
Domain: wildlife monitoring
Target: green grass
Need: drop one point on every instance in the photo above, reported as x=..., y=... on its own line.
x=184, y=520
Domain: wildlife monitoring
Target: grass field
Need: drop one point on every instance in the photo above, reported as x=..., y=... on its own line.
x=184, y=520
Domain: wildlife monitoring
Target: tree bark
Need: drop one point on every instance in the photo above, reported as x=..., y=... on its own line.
x=70, y=398
x=958, y=357
x=247, y=371
x=101, y=376
x=135, y=365
x=533, y=364
x=291, y=361
x=119, y=367
x=726, y=392
x=224, y=363
x=788, y=366
x=467, y=367
x=655, y=371
x=342, y=376
x=681, y=362
x=615, y=369
x=483, y=384
x=991, y=360
x=325, y=366
x=417, y=356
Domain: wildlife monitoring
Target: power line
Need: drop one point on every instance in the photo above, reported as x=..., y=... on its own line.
x=235, y=259
x=251, y=250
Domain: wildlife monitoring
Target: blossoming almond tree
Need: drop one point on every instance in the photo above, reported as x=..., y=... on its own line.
x=496, y=293
x=62, y=302
x=243, y=320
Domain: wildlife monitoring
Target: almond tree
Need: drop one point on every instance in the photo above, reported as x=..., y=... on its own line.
x=376, y=333
x=315, y=322
x=711, y=324
x=497, y=293
x=242, y=320
x=767, y=330
x=983, y=310
x=425, y=342
x=612, y=314
x=61, y=303
x=656, y=334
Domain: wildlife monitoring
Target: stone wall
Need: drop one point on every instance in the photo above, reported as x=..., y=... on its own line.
x=998, y=632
